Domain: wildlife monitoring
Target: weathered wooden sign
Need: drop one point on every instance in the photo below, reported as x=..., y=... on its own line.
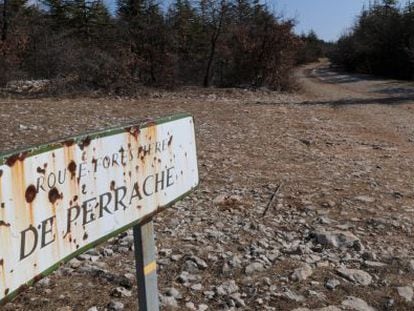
x=60, y=199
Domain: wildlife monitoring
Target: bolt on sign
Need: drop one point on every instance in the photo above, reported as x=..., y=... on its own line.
x=60, y=199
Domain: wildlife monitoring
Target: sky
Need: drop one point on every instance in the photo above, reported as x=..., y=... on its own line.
x=328, y=18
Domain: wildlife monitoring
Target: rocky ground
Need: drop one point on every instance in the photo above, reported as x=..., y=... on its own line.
x=306, y=200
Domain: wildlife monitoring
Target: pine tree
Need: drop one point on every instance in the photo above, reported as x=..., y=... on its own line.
x=146, y=36
x=188, y=41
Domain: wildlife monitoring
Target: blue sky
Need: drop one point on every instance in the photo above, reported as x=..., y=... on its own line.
x=329, y=18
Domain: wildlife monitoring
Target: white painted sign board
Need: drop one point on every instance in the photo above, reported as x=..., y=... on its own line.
x=60, y=199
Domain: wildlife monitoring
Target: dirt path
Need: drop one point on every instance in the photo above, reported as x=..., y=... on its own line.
x=383, y=104
x=342, y=151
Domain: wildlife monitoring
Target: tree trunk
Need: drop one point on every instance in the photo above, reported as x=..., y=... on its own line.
x=214, y=38
x=210, y=62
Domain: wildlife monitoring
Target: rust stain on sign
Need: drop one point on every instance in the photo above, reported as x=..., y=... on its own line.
x=60, y=199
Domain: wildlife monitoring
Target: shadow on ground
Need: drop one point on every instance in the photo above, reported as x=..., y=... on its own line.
x=396, y=91
x=340, y=77
x=352, y=101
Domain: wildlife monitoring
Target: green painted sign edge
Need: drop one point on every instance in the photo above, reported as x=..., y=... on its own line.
x=30, y=151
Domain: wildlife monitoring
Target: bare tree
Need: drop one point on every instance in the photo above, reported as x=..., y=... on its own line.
x=213, y=16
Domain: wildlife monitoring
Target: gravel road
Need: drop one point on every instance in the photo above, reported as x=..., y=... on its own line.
x=338, y=236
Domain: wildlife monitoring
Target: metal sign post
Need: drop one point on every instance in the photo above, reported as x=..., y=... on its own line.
x=146, y=266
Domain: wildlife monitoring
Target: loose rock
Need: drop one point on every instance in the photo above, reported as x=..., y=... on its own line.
x=301, y=274
x=254, y=267
x=116, y=306
x=336, y=239
x=406, y=292
x=356, y=276
x=332, y=284
x=357, y=304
